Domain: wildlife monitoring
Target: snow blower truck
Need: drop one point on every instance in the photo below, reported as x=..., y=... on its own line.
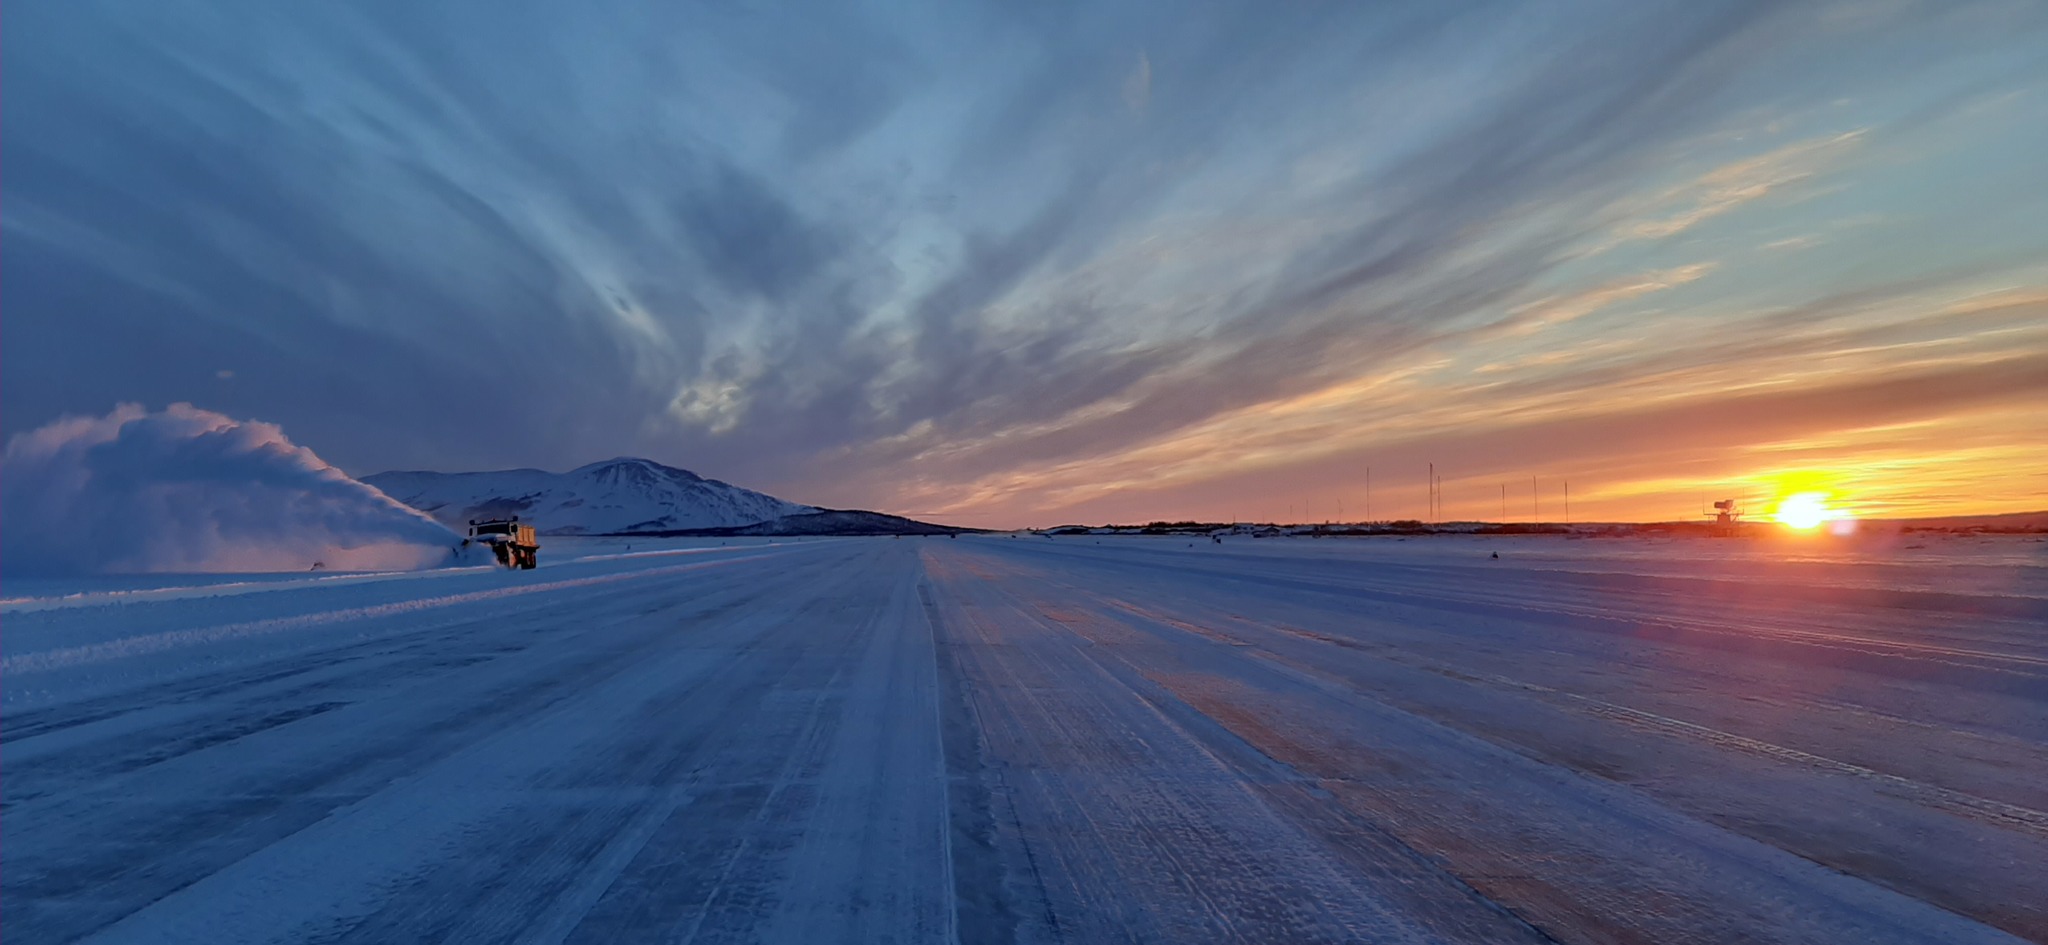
x=515, y=545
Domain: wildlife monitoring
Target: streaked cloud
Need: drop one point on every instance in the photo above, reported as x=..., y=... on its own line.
x=1739, y=182
x=1138, y=85
x=1026, y=264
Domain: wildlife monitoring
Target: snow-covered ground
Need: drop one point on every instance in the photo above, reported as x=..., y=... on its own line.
x=1029, y=739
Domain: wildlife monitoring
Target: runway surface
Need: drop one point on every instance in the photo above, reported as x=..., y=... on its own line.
x=1029, y=740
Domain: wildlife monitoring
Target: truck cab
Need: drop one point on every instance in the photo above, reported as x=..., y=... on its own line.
x=514, y=544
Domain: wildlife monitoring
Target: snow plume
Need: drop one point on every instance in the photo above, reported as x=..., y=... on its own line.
x=191, y=490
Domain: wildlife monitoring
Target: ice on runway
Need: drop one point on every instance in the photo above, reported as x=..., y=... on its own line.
x=996, y=739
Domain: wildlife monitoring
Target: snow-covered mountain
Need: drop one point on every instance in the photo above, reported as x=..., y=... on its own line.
x=619, y=495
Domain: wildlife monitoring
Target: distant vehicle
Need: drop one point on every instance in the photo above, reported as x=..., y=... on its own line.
x=515, y=545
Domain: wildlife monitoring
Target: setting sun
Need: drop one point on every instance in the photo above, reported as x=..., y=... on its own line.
x=1804, y=510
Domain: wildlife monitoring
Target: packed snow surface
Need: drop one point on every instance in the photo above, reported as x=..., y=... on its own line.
x=619, y=495
x=1087, y=739
x=186, y=490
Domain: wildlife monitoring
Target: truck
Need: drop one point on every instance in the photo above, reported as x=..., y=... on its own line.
x=515, y=545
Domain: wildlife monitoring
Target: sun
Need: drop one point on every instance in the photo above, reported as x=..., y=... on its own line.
x=1804, y=510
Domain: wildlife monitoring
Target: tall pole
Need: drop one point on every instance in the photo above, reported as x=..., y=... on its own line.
x=1503, y=501
x=1368, y=493
x=1567, y=502
x=1535, y=502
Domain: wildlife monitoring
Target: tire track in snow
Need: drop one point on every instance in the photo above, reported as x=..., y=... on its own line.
x=117, y=843
x=129, y=647
x=1567, y=900
x=1119, y=804
x=695, y=737
x=1996, y=812
x=1461, y=596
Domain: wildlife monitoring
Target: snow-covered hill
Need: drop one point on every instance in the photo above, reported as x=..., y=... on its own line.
x=619, y=495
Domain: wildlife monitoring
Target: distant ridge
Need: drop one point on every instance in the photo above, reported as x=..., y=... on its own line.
x=832, y=522
x=628, y=496
x=2007, y=522
x=620, y=495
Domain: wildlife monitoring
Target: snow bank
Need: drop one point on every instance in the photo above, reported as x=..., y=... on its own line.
x=191, y=490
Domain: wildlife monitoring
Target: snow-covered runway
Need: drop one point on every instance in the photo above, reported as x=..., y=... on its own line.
x=996, y=739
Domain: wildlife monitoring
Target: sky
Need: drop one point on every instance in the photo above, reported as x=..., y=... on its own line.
x=1022, y=264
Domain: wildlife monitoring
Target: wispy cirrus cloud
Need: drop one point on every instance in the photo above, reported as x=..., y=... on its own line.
x=1014, y=262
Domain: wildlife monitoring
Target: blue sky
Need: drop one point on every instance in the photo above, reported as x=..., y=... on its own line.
x=1024, y=263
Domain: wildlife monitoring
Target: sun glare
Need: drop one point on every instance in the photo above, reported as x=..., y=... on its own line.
x=1804, y=510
